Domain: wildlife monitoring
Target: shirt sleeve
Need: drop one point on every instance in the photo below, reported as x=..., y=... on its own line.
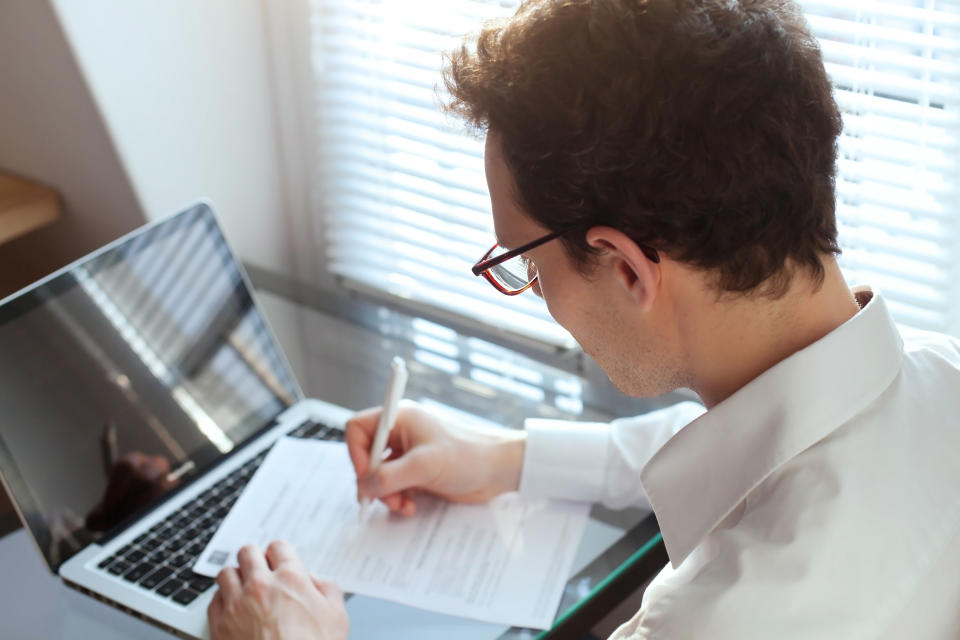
x=595, y=461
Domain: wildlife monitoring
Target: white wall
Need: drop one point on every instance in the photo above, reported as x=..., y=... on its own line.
x=185, y=91
x=51, y=132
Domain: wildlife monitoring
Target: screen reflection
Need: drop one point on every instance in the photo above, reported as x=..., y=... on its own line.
x=126, y=375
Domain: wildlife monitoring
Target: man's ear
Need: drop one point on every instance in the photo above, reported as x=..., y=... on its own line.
x=633, y=270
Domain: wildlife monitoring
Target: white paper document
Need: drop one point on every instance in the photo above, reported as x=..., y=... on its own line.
x=505, y=561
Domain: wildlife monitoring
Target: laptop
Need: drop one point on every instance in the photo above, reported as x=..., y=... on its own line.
x=141, y=387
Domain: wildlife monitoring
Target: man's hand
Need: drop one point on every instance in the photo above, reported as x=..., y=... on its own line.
x=461, y=464
x=273, y=597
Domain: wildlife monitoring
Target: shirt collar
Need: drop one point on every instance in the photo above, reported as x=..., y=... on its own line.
x=704, y=471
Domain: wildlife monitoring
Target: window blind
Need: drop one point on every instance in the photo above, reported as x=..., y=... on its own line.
x=896, y=68
x=402, y=188
x=405, y=210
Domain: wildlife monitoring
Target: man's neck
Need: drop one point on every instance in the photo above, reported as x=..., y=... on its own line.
x=737, y=340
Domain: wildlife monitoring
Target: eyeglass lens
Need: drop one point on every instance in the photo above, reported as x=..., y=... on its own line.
x=514, y=274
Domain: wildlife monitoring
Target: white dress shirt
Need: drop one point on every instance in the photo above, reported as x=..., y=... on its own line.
x=821, y=500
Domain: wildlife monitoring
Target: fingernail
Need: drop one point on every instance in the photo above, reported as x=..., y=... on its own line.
x=369, y=487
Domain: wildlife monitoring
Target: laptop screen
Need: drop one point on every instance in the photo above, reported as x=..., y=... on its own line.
x=125, y=374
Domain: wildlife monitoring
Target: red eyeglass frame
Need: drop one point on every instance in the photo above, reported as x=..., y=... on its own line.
x=483, y=266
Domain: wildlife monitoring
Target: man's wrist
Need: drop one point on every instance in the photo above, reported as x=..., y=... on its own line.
x=506, y=461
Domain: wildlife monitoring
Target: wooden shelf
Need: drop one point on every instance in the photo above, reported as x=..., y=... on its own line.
x=25, y=206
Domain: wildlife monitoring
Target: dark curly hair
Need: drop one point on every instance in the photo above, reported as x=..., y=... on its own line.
x=705, y=128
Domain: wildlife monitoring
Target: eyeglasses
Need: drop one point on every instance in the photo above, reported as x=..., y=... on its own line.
x=512, y=273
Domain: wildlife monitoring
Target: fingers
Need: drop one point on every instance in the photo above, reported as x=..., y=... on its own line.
x=215, y=611
x=401, y=502
x=413, y=470
x=258, y=601
x=407, y=506
x=328, y=589
x=253, y=564
x=408, y=465
x=281, y=553
x=228, y=580
x=359, y=433
x=393, y=501
x=362, y=427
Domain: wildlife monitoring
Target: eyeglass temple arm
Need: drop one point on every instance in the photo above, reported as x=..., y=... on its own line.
x=486, y=264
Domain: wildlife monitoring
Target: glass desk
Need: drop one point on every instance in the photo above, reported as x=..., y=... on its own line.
x=348, y=364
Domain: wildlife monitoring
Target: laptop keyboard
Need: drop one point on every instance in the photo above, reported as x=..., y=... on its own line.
x=160, y=559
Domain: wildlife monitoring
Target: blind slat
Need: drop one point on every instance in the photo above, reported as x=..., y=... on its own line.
x=824, y=26
x=917, y=13
x=402, y=157
x=407, y=206
x=444, y=208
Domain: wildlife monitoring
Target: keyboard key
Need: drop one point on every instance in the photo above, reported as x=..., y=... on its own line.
x=192, y=533
x=134, y=555
x=155, y=578
x=187, y=574
x=150, y=544
x=119, y=567
x=143, y=536
x=175, y=545
x=304, y=428
x=185, y=596
x=158, y=557
x=138, y=572
x=201, y=584
x=225, y=501
x=334, y=435
x=106, y=561
x=195, y=548
x=180, y=560
x=169, y=587
x=165, y=533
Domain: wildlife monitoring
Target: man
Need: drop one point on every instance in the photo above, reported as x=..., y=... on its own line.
x=666, y=169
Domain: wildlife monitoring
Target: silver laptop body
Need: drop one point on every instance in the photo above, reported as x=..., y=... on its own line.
x=140, y=388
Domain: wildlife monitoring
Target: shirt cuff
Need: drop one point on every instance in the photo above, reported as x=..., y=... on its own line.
x=564, y=459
